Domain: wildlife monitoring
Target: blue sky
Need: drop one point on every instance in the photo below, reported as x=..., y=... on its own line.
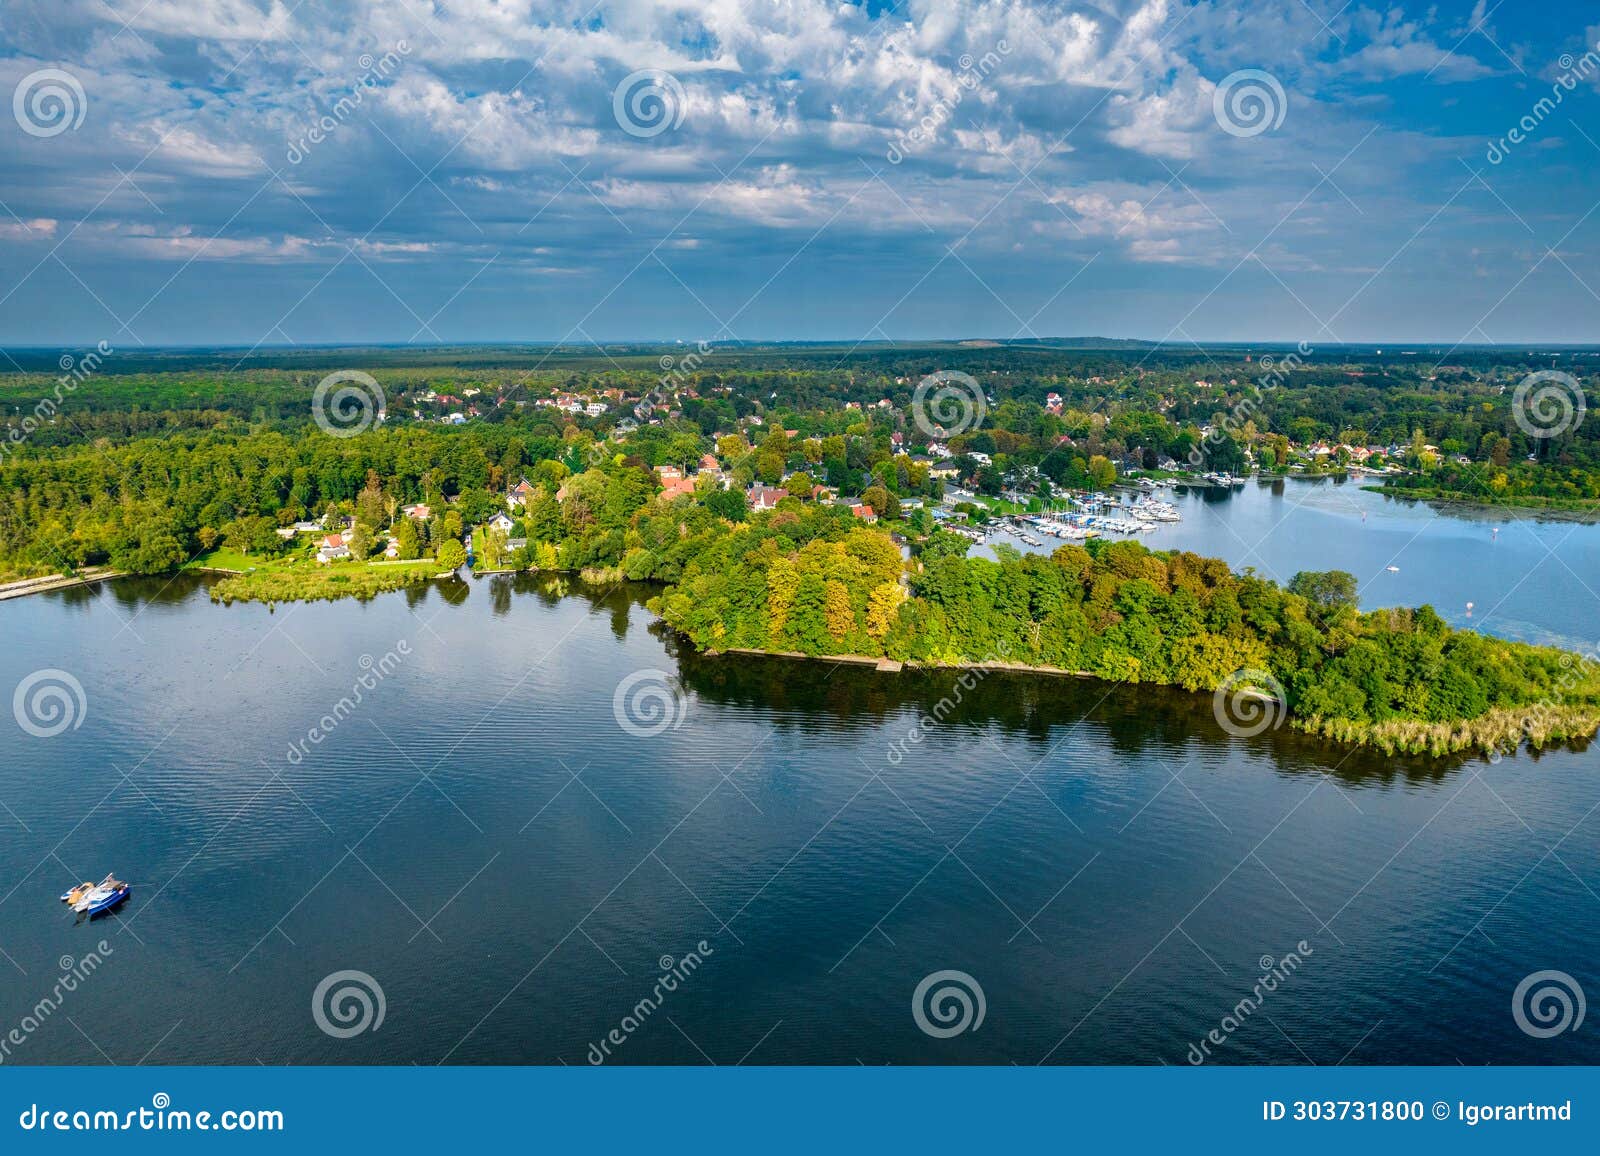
x=806, y=169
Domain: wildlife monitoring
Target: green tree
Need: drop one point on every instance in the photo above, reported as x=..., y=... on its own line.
x=407, y=543
x=452, y=555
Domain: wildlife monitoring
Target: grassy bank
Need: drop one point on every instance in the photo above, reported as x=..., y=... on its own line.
x=311, y=583
x=1520, y=504
x=1496, y=731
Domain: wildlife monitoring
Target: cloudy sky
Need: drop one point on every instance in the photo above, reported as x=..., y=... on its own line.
x=303, y=171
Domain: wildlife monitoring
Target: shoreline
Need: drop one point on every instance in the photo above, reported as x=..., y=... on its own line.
x=1492, y=735
x=1446, y=500
x=22, y=587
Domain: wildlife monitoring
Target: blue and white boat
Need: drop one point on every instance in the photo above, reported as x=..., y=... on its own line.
x=112, y=898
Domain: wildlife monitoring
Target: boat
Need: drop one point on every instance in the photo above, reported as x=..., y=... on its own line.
x=77, y=893
x=1392, y=569
x=96, y=893
x=111, y=899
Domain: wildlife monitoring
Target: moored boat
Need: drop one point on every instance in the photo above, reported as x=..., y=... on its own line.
x=119, y=892
x=96, y=893
x=77, y=892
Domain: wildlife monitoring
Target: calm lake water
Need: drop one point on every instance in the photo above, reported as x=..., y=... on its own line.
x=1537, y=580
x=514, y=868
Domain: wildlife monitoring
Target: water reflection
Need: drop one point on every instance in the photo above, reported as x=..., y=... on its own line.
x=1128, y=721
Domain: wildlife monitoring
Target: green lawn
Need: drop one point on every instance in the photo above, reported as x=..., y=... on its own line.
x=224, y=559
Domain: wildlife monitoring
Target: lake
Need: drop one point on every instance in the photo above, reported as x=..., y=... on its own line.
x=544, y=828
x=1533, y=579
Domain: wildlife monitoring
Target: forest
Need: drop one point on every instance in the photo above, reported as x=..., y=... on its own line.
x=147, y=471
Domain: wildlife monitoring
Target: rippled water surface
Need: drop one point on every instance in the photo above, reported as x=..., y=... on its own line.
x=512, y=867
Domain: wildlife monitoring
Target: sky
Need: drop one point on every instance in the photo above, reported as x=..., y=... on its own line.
x=285, y=172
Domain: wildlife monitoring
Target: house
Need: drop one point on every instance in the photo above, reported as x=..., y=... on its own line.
x=391, y=547
x=420, y=512
x=676, y=488
x=515, y=544
x=520, y=494
x=944, y=469
x=596, y=408
x=709, y=462
x=500, y=521
x=668, y=473
x=765, y=497
x=333, y=548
